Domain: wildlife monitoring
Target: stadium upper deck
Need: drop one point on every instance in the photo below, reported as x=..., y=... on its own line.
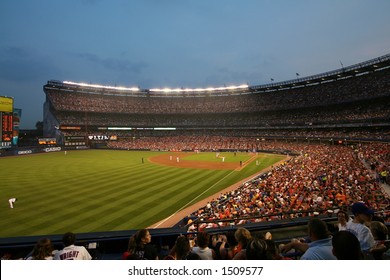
x=359, y=69
x=359, y=94
x=369, y=81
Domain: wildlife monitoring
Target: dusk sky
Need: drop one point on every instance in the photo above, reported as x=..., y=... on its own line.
x=180, y=43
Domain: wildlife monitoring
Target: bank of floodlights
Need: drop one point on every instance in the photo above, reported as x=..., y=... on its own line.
x=163, y=90
x=101, y=86
x=209, y=89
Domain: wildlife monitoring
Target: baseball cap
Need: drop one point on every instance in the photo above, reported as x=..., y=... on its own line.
x=361, y=208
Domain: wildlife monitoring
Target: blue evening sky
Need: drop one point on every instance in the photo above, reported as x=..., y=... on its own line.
x=180, y=43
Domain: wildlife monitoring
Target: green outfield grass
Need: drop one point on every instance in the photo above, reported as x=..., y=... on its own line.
x=104, y=190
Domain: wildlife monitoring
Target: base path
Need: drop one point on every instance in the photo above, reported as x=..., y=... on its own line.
x=185, y=211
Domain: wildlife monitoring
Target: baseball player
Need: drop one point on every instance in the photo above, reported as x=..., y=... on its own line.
x=11, y=202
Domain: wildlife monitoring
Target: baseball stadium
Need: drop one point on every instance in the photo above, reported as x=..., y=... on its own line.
x=183, y=161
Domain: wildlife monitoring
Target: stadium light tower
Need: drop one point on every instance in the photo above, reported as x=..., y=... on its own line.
x=342, y=66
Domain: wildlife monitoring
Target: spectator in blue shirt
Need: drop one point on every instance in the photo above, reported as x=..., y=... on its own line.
x=320, y=247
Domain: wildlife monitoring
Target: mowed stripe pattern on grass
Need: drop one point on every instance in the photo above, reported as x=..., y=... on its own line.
x=99, y=190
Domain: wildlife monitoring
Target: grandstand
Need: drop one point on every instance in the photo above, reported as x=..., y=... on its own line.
x=335, y=124
x=351, y=102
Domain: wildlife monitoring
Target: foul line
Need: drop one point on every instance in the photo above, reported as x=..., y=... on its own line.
x=185, y=206
x=245, y=163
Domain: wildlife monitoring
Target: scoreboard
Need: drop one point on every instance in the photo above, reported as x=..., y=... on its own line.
x=6, y=121
x=6, y=133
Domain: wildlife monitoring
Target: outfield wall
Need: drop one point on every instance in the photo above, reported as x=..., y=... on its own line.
x=36, y=150
x=29, y=151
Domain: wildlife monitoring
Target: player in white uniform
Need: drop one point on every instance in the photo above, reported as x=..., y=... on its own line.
x=11, y=202
x=71, y=251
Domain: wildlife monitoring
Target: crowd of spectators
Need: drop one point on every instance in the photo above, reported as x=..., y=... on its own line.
x=44, y=250
x=364, y=237
x=323, y=177
x=363, y=87
x=252, y=135
x=369, y=112
x=187, y=143
x=377, y=156
x=208, y=141
x=356, y=108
